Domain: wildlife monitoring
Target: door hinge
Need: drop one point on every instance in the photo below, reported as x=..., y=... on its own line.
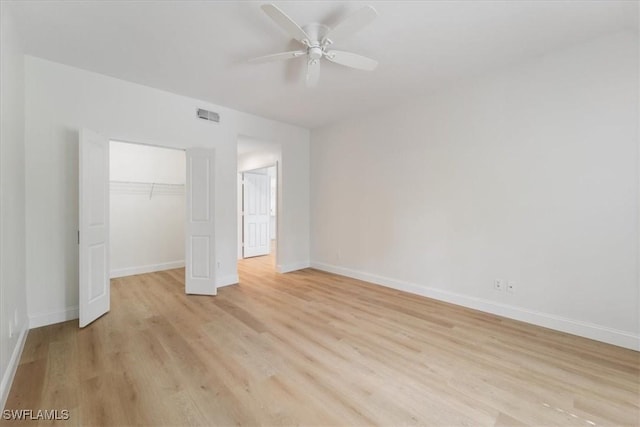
x=78, y=237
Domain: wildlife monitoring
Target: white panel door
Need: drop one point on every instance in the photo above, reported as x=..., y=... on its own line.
x=93, y=233
x=256, y=206
x=199, y=230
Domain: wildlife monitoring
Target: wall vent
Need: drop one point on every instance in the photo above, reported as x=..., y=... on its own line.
x=208, y=115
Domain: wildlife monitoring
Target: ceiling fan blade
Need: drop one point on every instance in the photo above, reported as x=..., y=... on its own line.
x=352, y=24
x=278, y=56
x=286, y=23
x=313, y=72
x=352, y=60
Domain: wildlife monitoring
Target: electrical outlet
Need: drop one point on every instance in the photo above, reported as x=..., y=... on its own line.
x=511, y=287
x=498, y=285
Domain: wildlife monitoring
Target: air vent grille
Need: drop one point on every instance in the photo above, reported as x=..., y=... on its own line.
x=208, y=115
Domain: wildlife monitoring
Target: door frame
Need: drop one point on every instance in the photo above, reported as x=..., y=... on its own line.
x=146, y=144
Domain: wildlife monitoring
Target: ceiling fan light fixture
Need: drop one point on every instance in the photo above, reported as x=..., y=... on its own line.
x=315, y=52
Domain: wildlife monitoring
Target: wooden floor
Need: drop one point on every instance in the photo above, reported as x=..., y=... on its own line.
x=310, y=348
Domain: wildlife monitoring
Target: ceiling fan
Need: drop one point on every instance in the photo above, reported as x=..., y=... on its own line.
x=317, y=39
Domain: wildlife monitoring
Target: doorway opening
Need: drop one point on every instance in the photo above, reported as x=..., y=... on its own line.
x=146, y=209
x=258, y=203
x=98, y=164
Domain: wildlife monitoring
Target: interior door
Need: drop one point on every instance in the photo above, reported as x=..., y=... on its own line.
x=199, y=230
x=93, y=233
x=256, y=218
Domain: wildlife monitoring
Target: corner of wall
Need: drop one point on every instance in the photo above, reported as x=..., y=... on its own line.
x=13, y=299
x=51, y=318
x=12, y=367
x=291, y=267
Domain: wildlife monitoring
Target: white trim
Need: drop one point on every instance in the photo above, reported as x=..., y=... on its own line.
x=227, y=280
x=12, y=367
x=287, y=268
x=44, y=319
x=130, y=271
x=559, y=323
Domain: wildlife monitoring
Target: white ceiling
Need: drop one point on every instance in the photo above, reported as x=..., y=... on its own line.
x=199, y=48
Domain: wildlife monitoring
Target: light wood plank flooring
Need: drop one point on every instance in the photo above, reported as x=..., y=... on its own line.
x=310, y=348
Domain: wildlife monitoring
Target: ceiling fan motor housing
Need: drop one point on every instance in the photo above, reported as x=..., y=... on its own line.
x=316, y=33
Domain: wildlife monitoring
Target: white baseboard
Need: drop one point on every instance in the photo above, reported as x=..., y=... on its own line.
x=551, y=321
x=130, y=271
x=231, y=279
x=287, y=268
x=12, y=367
x=44, y=319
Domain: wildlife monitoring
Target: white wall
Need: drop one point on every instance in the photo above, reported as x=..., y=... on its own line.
x=528, y=175
x=13, y=302
x=62, y=99
x=144, y=163
x=147, y=218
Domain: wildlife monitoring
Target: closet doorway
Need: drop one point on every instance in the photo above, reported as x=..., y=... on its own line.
x=147, y=208
x=137, y=243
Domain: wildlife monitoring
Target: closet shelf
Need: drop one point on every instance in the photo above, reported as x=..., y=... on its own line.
x=147, y=188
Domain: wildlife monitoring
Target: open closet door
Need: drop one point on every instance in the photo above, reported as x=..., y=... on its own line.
x=199, y=229
x=93, y=235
